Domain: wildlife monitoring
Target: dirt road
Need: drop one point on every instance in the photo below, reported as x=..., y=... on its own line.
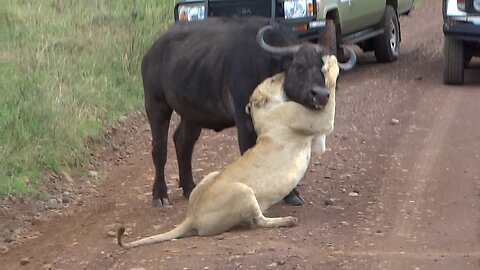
x=399, y=188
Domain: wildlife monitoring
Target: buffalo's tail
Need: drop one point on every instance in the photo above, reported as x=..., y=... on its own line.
x=182, y=230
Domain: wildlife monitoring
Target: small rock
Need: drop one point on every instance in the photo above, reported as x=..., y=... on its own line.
x=13, y=198
x=37, y=220
x=8, y=239
x=353, y=194
x=137, y=268
x=328, y=201
x=395, y=121
x=3, y=249
x=24, y=261
x=111, y=233
x=67, y=198
x=272, y=264
x=93, y=174
x=52, y=204
x=122, y=119
x=47, y=266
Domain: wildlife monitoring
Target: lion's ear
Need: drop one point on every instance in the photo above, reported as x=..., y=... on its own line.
x=260, y=95
x=270, y=89
x=247, y=109
x=258, y=98
x=330, y=70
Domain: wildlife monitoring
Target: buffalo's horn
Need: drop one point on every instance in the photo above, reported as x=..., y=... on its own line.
x=352, y=59
x=275, y=50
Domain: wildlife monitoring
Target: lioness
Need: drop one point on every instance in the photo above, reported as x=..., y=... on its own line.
x=265, y=173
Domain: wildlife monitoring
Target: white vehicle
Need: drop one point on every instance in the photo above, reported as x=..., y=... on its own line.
x=461, y=27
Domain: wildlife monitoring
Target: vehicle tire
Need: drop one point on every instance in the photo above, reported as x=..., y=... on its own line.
x=454, y=62
x=387, y=45
x=328, y=37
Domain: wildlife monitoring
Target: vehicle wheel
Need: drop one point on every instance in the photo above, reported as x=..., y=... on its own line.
x=387, y=45
x=328, y=37
x=453, y=55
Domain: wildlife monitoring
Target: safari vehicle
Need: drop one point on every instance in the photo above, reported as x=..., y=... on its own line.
x=461, y=28
x=372, y=24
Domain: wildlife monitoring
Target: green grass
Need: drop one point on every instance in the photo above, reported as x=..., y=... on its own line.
x=68, y=69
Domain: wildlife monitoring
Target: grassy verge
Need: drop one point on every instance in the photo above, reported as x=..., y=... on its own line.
x=68, y=69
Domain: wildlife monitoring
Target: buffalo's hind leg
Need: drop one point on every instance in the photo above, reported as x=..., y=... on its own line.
x=159, y=115
x=185, y=137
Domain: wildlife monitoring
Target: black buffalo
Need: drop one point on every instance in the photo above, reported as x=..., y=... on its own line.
x=205, y=71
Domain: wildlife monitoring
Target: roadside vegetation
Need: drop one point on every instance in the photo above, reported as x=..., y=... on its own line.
x=68, y=70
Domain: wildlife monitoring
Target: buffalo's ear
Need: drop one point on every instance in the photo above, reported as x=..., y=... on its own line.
x=330, y=70
x=327, y=40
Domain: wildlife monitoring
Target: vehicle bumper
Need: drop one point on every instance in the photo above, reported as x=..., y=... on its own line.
x=306, y=30
x=464, y=31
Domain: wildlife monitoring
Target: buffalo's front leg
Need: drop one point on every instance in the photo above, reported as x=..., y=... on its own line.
x=185, y=137
x=294, y=198
x=159, y=118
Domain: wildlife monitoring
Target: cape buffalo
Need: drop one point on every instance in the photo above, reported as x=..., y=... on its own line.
x=206, y=70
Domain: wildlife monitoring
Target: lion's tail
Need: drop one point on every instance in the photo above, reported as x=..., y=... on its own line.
x=182, y=230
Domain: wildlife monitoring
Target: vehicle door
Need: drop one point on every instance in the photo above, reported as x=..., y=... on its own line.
x=365, y=13
x=344, y=12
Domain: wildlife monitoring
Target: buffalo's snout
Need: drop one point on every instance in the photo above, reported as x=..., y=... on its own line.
x=319, y=96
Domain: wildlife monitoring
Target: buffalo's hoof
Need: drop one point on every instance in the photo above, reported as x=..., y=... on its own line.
x=294, y=199
x=187, y=192
x=161, y=202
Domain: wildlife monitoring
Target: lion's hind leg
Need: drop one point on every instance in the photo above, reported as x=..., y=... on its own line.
x=234, y=205
x=260, y=220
